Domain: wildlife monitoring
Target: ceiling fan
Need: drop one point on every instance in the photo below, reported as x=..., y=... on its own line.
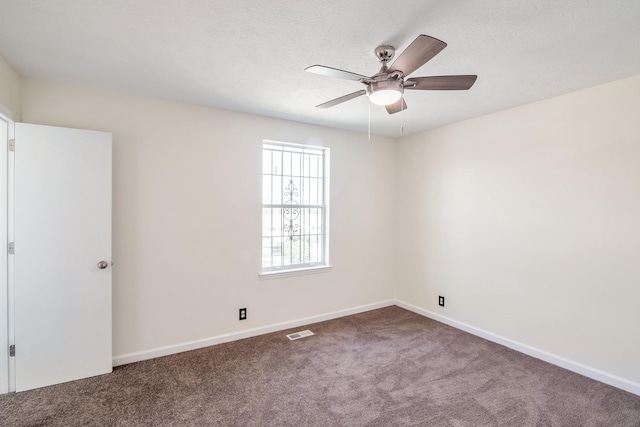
x=388, y=85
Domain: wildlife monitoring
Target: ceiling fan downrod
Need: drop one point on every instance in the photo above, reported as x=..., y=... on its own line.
x=384, y=54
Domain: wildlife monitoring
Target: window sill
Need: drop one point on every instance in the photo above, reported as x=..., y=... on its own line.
x=279, y=274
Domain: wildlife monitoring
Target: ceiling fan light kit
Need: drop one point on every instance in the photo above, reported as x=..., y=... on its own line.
x=385, y=92
x=387, y=86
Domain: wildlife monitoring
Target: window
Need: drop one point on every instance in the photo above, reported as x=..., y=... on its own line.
x=294, y=207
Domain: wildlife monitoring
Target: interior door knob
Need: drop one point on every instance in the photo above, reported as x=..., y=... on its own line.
x=102, y=264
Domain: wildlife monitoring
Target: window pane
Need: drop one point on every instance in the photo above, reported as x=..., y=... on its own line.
x=276, y=191
x=266, y=222
x=313, y=223
x=286, y=163
x=305, y=183
x=266, y=252
x=266, y=189
x=313, y=166
x=266, y=161
x=276, y=164
x=276, y=222
x=306, y=255
x=313, y=248
x=293, y=206
x=296, y=159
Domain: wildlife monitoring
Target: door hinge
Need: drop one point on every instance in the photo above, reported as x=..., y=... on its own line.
x=12, y=350
x=12, y=248
x=12, y=145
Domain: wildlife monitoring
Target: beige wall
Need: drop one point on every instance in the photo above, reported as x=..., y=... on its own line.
x=187, y=212
x=9, y=91
x=528, y=222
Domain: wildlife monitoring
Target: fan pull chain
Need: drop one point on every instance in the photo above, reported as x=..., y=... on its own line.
x=369, y=128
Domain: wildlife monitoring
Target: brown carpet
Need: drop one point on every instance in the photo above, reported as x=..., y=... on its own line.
x=387, y=367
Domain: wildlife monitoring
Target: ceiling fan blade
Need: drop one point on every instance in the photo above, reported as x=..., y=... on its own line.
x=397, y=106
x=441, y=83
x=334, y=72
x=418, y=53
x=341, y=99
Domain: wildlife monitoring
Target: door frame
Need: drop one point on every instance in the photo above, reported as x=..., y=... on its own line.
x=7, y=371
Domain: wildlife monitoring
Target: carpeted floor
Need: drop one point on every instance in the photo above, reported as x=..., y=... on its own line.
x=387, y=367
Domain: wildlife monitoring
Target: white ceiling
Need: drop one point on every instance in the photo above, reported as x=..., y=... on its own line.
x=250, y=55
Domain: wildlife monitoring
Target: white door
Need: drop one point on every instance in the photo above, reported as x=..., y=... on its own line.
x=62, y=255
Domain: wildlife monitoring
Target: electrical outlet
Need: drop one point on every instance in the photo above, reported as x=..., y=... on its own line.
x=441, y=301
x=243, y=314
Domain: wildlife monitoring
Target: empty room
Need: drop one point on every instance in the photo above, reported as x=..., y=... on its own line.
x=320, y=213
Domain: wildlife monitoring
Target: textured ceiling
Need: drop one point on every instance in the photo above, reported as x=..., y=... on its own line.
x=250, y=55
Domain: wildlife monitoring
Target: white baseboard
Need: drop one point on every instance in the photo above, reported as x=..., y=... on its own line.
x=206, y=342
x=579, y=368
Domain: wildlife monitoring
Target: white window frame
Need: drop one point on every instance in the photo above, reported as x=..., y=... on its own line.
x=323, y=265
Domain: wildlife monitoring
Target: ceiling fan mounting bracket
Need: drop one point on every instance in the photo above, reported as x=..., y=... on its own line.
x=385, y=53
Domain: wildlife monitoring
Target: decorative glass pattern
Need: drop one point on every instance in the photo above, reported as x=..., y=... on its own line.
x=293, y=206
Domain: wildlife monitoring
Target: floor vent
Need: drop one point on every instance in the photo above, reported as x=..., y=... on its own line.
x=298, y=335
